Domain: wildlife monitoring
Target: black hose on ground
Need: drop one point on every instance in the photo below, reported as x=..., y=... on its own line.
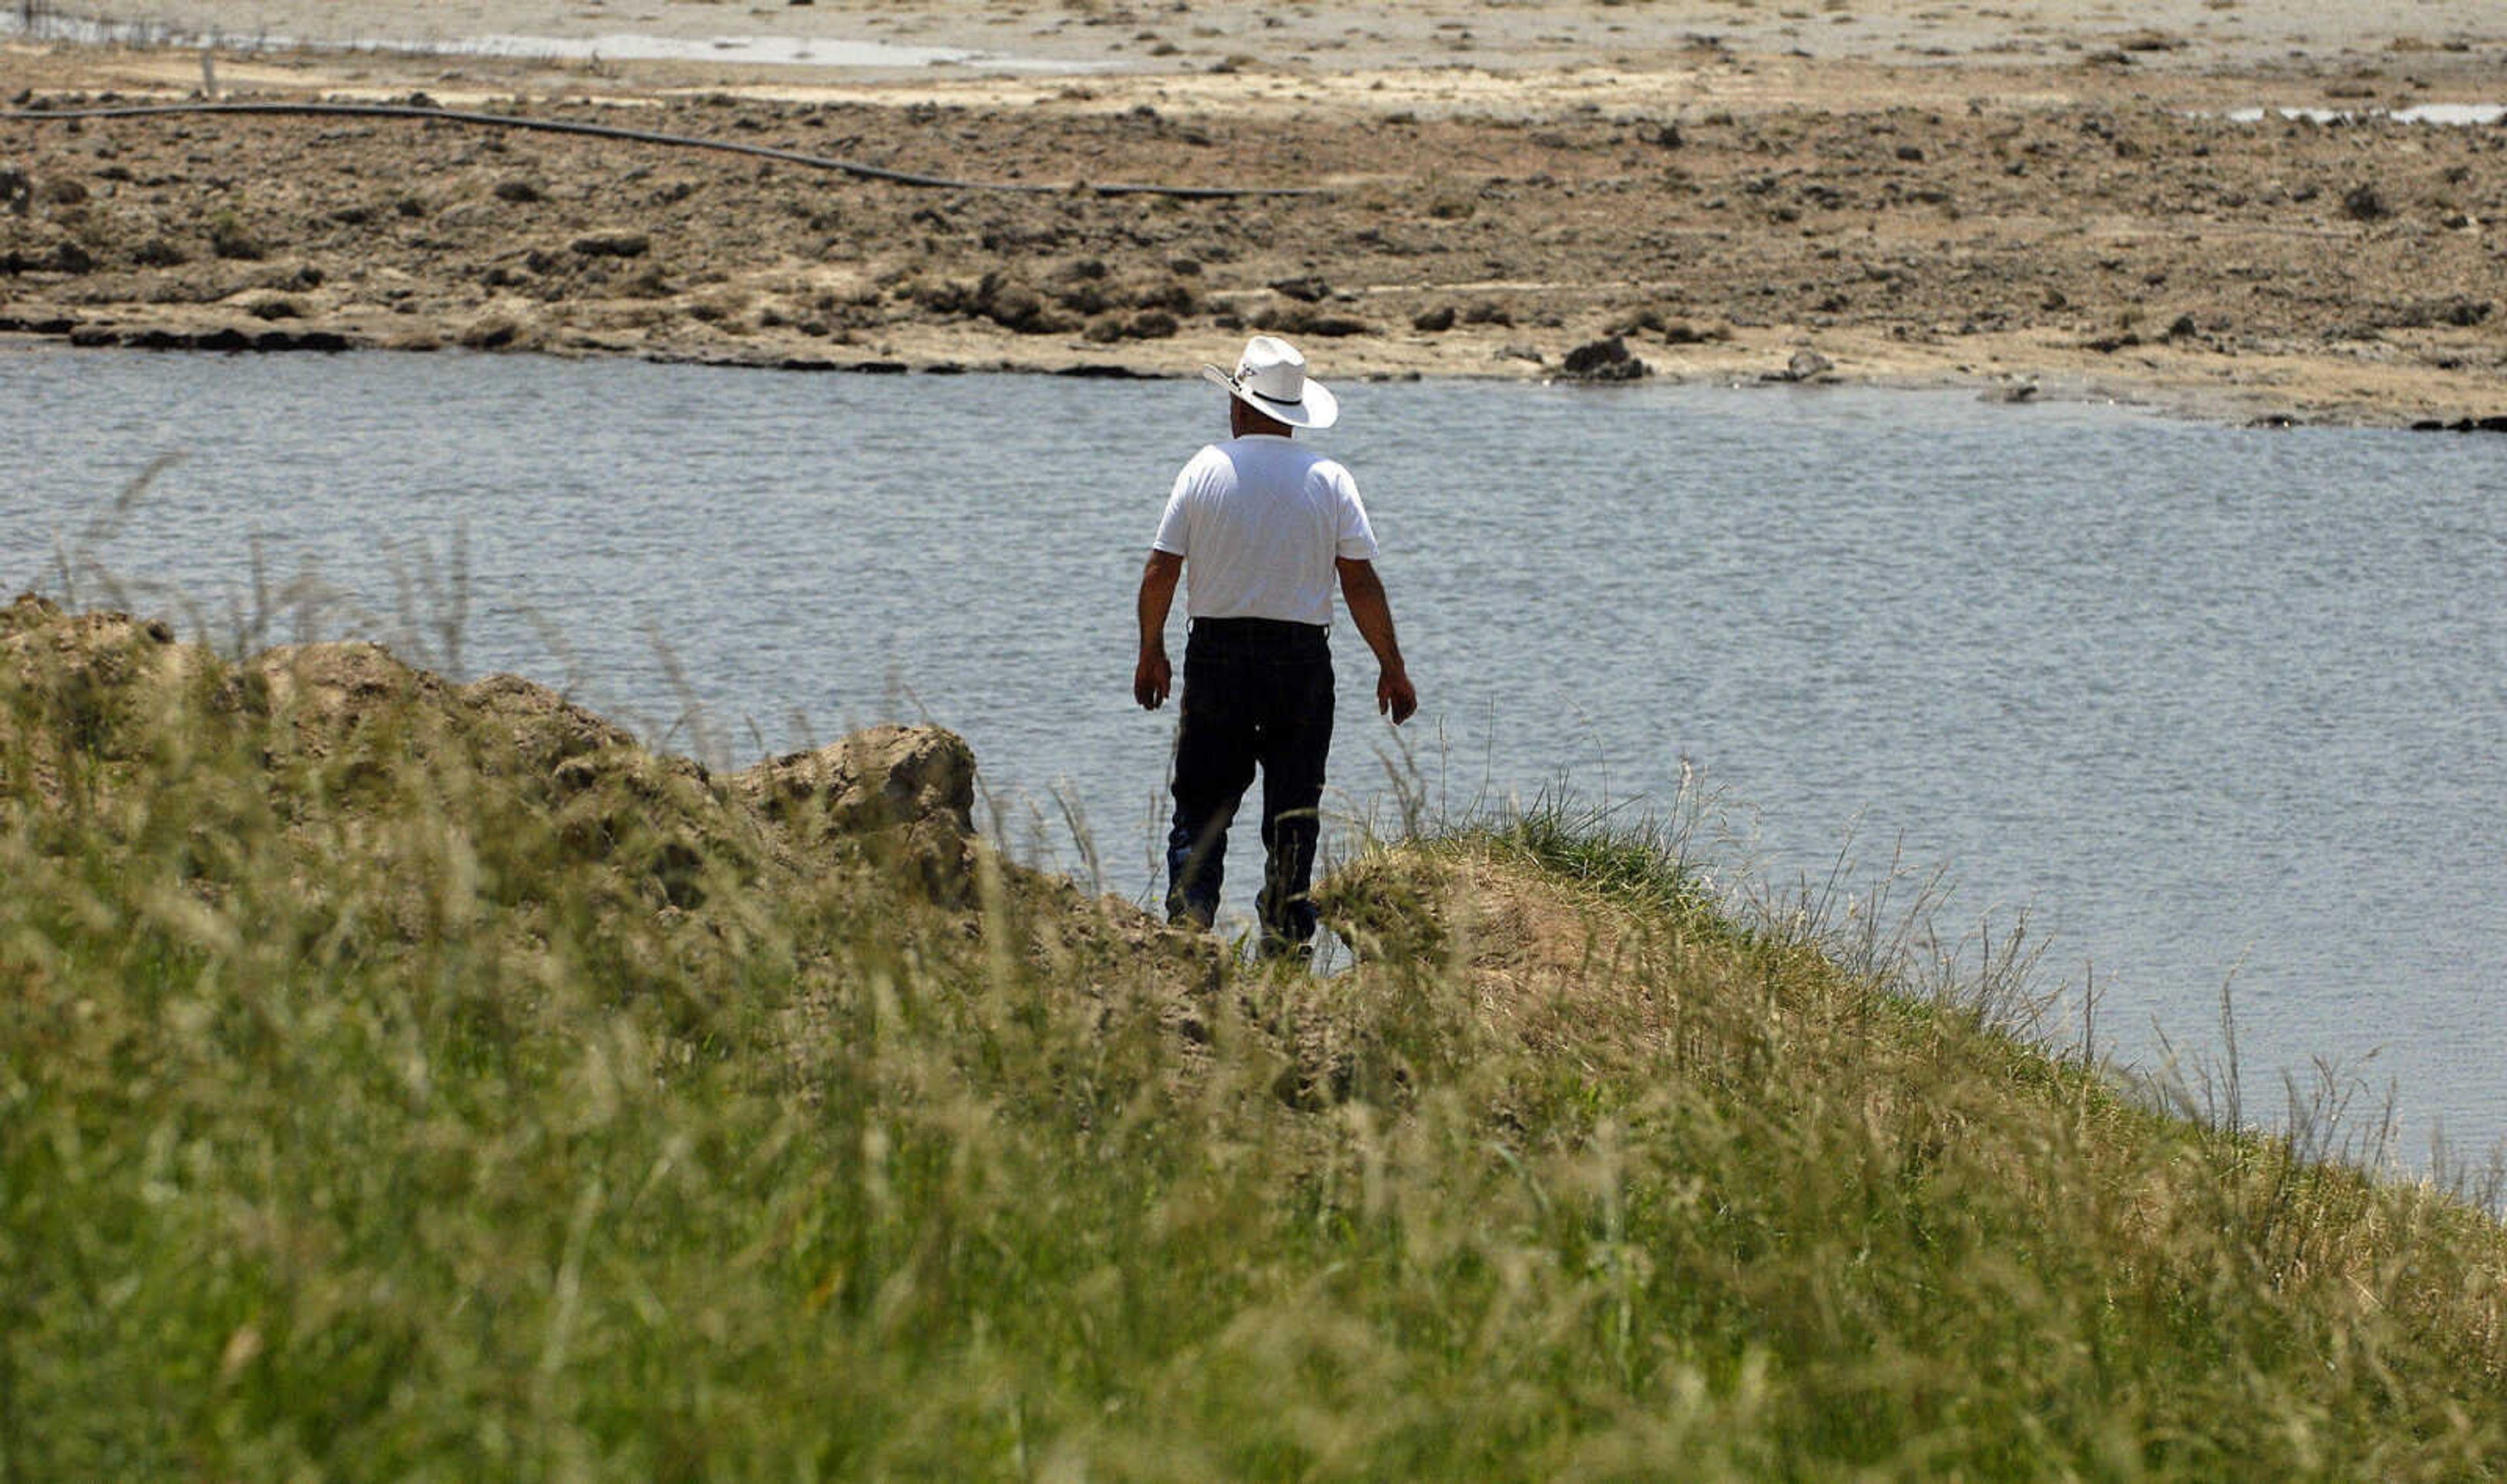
x=852, y=167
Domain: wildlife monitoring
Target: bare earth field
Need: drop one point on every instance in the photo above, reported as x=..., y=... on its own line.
x=2049, y=196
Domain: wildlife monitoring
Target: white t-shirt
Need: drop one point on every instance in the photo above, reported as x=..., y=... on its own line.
x=1260, y=521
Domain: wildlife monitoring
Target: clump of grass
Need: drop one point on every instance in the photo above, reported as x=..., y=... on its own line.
x=428, y=1084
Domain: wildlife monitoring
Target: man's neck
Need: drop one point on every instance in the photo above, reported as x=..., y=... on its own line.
x=1245, y=422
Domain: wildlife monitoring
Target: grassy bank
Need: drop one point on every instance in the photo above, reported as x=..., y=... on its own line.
x=411, y=1080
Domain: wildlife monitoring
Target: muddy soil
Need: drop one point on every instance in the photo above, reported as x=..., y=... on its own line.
x=2092, y=224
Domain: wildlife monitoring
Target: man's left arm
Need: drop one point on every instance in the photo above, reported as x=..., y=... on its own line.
x=1152, y=675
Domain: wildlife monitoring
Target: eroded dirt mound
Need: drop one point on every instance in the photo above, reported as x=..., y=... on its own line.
x=108, y=723
x=73, y=682
x=101, y=705
x=907, y=791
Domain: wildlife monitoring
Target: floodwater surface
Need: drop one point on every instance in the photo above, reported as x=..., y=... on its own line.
x=614, y=47
x=2214, y=706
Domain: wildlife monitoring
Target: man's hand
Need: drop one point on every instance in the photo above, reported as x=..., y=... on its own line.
x=1395, y=697
x=1152, y=678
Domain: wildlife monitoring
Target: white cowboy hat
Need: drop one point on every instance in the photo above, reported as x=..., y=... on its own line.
x=1271, y=379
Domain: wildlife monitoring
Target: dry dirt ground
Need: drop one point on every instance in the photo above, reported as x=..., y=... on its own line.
x=2048, y=197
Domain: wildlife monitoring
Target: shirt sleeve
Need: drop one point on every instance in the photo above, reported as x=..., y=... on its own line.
x=1356, y=536
x=1176, y=524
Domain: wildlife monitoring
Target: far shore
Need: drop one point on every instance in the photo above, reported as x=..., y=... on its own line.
x=2009, y=205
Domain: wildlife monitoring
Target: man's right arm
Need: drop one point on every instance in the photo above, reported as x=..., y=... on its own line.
x=1152, y=675
x=1372, y=612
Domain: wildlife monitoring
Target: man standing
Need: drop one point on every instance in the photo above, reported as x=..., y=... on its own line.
x=1265, y=527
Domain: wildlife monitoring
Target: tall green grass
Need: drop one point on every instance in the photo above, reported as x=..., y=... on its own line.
x=397, y=1097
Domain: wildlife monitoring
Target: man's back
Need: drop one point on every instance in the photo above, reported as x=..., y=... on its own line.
x=1261, y=519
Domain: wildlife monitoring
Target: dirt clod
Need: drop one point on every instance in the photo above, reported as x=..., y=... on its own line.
x=1603, y=360
x=613, y=242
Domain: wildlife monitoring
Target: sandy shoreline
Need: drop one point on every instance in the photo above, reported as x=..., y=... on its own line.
x=2046, y=198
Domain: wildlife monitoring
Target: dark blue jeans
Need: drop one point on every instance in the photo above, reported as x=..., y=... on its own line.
x=1256, y=694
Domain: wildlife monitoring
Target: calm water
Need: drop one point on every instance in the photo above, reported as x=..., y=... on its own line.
x=615, y=47
x=2211, y=704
